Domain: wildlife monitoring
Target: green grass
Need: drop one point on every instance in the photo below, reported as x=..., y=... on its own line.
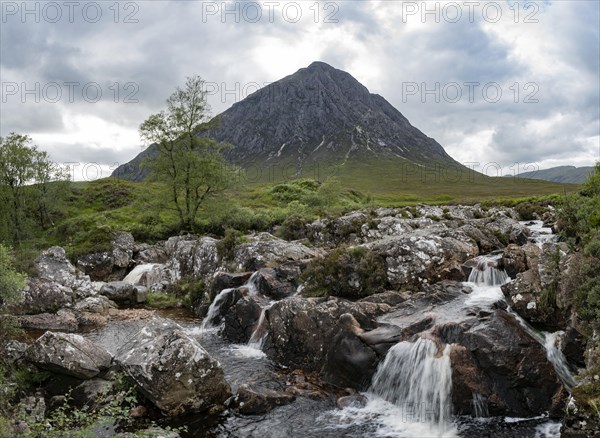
x=94, y=210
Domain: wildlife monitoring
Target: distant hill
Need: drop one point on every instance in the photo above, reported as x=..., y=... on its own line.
x=560, y=174
x=317, y=115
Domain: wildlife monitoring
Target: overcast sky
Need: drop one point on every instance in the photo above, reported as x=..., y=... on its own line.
x=493, y=82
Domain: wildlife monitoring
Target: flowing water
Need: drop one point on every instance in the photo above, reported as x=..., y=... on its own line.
x=409, y=396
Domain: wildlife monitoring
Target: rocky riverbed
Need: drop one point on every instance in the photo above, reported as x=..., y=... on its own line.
x=462, y=339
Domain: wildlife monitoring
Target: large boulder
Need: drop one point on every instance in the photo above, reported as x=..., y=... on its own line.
x=191, y=257
x=173, y=370
x=534, y=292
x=57, y=284
x=494, y=357
x=69, y=354
x=269, y=283
x=301, y=331
x=44, y=296
x=109, y=265
x=118, y=291
x=264, y=249
x=241, y=319
x=424, y=257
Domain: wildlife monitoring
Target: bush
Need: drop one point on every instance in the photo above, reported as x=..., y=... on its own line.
x=293, y=227
x=352, y=273
x=226, y=246
x=162, y=300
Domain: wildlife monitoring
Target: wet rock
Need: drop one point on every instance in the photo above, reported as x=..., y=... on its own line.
x=252, y=400
x=140, y=294
x=391, y=298
x=68, y=354
x=573, y=343
x=533, y=293
x=223, y=302
x=118, y=291
x=513, y=261
x=241, y=319
x=265, y=248
x=301, y=330
x=270, y=284
x=173, y=370
x=356, y=401
x=498, y=360
x=63, y=320
x=350, y=362
x=228, y=280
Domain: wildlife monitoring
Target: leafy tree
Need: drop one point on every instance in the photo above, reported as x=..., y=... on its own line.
x=11, y=286
x=31, y=185
x=193, y=167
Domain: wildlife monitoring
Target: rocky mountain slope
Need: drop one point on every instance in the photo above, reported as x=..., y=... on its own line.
x=318, y=114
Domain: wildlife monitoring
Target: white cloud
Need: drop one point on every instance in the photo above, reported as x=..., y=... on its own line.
x=378, y=42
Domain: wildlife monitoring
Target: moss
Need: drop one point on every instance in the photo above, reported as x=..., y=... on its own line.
x=348, y=272
x=162, y=300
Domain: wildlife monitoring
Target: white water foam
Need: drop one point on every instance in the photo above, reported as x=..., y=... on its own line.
x=410, y=395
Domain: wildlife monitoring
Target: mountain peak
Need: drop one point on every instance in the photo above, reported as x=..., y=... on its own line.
x=320, y=114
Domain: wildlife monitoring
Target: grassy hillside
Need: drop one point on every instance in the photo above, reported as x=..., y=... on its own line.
x=561, y=174
x=95, y=209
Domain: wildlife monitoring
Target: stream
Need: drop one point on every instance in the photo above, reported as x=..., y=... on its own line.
x=409, y=396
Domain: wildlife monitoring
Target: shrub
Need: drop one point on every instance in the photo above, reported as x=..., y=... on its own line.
x=226, y=246
x=293, y=227
x=353, y=273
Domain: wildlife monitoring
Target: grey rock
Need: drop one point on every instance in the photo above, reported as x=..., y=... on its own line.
x=117, y=291
x=63, y=320
x=173, y=370
x=252, y=400
x=68, y=354
x=98, y=304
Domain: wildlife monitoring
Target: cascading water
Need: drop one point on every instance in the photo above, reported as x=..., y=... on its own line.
x=413, y=377
x=215, y=307
x=486, y=280
x=486, y=273
x=257, y=339
x=410, y=395
x=480, y=408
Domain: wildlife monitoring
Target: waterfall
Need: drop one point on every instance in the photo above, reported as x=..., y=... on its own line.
x=480, y=408
x=557, y=358
x=215, y=309
x=486, y=279
x=416, y=380
x=487, y=274
x=257, y=339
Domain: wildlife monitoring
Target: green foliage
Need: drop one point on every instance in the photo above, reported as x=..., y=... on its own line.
x=11, y=292
x=192, y=167
x=227, y=245
x=26, y=204
x=162, y=300
x=293, y=227
x=348, y=272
